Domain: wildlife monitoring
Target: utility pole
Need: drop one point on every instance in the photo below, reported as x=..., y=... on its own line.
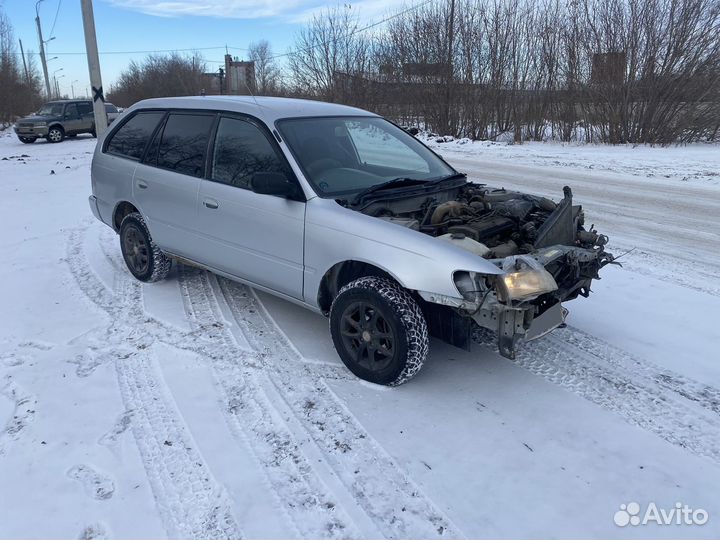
x=94, y=67
x=22, y=53
x=42, y=50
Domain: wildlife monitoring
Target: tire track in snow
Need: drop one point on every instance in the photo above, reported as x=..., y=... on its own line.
x=394, y=504
x=676, y=408
x=306, y=505
x=190, y=501
x=252, y=418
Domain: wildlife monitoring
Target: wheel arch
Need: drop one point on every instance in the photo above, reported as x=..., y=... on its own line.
x=122, y=209
x=56, y=125
x=344, y=272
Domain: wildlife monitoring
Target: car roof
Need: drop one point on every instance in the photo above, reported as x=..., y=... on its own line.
x=66, y=101
x=266, y=108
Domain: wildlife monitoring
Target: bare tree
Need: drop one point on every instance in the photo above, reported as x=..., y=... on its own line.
x=330, y=58
x=159, y=76
x=19, y=93
x=267, y=73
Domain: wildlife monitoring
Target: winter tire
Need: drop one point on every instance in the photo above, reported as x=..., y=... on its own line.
x=143, y=258
x=56, y=134
x=379, y=331
x=27, y=140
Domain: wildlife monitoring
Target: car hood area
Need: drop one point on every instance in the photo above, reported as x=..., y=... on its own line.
x=36, y=118
x=499, y=225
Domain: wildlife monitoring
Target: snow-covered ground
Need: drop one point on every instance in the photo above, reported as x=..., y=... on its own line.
x=198, y=408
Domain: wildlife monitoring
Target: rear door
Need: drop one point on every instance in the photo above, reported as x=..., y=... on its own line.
x=72, y=121
x=86, y=113
x=253, y=236
x=167, y=181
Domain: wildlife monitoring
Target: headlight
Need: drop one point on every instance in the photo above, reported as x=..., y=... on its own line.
x=525, y=279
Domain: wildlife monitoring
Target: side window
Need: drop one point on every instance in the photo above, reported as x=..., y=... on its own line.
x=241, y=150
x=132, y=137
x=184, y=143
x=85, y=108
x=71, y=111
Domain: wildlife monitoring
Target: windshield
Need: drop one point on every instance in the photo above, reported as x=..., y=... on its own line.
x=344, y=155
x=51, y=109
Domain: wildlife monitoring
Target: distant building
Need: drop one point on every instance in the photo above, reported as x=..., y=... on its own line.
x=239, y=77
x=236, y=78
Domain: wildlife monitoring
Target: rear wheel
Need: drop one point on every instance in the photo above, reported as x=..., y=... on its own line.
x=142, y=256
x=27, y=140
x=55, y=134
x=379, y=331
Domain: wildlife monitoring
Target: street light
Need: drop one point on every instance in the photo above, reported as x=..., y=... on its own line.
x=55, y=82
x=72, y=88
x=57, y=85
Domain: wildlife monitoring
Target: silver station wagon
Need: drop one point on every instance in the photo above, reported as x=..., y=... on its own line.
x=345, y=213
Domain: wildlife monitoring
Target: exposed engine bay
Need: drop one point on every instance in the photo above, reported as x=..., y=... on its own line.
x=525, y=235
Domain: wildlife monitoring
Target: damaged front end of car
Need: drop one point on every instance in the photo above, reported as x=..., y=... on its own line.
x=544, y=252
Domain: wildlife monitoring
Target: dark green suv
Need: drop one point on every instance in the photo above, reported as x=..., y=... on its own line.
x=59, y=119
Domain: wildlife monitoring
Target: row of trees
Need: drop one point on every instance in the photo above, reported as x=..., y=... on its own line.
x=20, y=90
x=615, y=71
x=638, y=71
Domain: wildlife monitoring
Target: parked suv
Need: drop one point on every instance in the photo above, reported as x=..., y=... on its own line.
x=340, y=211
x=59, y=119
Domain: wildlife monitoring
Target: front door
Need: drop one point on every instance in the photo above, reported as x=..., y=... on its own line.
x=252, y=236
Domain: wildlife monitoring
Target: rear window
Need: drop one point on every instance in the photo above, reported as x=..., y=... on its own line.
x=132, y=137
x=184, y=143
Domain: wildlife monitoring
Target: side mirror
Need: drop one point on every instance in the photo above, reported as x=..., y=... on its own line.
x=273, y=183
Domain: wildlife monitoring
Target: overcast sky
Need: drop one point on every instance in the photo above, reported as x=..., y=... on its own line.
x=153, y=25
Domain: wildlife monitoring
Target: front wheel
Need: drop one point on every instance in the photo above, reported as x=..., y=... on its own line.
x=27, y=140
x=143, y=257
x=379, y=331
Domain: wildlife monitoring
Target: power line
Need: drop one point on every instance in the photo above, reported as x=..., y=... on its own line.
x=57, y=12
x=357, y=30
x=149, y=51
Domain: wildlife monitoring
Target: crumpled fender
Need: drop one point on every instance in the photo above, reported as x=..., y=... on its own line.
x=419, y=262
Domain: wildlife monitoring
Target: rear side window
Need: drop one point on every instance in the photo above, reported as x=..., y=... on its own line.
x=71, y=111
x=85, y=107
x=132, y=137
x=184, y=143
x=241, y=150
x=109, y=107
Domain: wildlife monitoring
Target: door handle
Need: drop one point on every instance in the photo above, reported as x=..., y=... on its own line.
x=211, y=203
x=142, y=185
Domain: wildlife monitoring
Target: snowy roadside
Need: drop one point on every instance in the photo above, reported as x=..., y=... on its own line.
x=202, y=409
x=696, y=164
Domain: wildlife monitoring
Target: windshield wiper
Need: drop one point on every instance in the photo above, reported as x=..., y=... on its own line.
x=453, y=176
x=395, y=182
x=404, y=182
